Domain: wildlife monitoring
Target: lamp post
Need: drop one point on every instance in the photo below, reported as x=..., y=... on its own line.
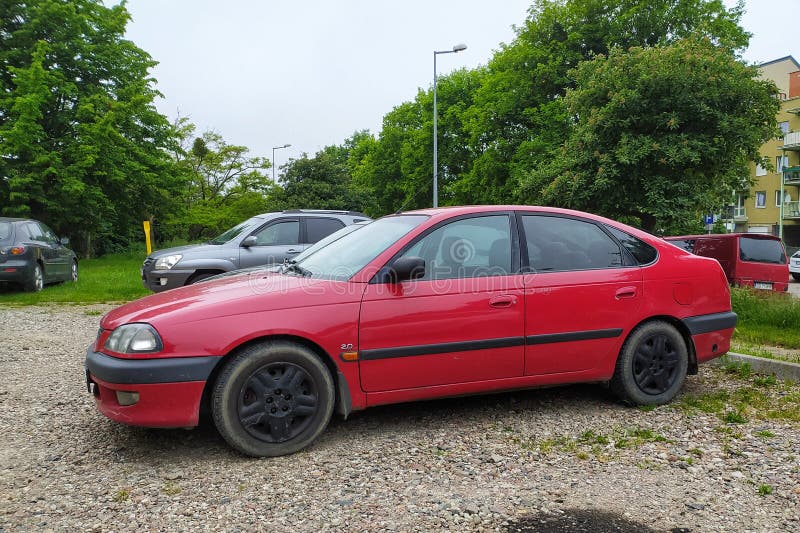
x=456, y=48
x=273, y=158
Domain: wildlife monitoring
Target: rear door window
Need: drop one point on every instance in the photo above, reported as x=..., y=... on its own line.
x=761, y=250
x=559, y=244
x=6, y=231
x=319, y=228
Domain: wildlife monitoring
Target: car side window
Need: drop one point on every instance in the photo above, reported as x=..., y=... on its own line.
x=49, y=236
x=319, y=228
x=467, y=248
x=287, y=232
x=640, y=250
x=561, y=244
x=35, y=232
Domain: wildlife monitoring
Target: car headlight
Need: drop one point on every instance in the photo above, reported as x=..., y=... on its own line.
x=167, y=262
x=134, y=338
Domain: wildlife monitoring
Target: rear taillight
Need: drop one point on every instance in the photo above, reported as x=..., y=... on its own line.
x=16, y=250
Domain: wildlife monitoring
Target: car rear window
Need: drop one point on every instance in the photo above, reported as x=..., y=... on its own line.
x=5, y=231
x=761, y=250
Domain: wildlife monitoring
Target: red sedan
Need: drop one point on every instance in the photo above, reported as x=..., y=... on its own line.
x=418, y=305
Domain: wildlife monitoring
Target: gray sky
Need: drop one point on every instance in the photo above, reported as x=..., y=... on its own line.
x=310, y=73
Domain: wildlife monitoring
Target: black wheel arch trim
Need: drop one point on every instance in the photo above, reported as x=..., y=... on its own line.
x=149, y=371
x=700, y=324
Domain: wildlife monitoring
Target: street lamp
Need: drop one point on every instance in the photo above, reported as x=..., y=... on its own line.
x=456, y=48
x=273, y=158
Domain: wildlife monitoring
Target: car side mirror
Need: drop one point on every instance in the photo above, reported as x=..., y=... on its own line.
x=64, y=241
x=405, y=268
x=249, y=241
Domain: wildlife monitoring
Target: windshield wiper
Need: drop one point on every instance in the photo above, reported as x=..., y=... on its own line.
x=290, y=265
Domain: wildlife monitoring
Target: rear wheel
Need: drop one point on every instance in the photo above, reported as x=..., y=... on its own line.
x=651, y=366
x=36, y=281
x=272, y=399
x=73, y=271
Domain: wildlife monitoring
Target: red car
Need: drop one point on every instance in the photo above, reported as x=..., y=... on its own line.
x=418, y=305
x=748, y=259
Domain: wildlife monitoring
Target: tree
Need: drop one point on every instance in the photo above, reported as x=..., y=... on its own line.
x=224, y=184
x=323, y=181
x=661, y=134
x=518, y=117
x=81, y=143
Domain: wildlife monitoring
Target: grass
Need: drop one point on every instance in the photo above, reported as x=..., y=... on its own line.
x=765, y=490
x=766, y=318
x=112, y=278
x=765, y=400
x=590, y=443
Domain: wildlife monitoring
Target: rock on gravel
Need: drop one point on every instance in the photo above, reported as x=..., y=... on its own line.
x=561, y=459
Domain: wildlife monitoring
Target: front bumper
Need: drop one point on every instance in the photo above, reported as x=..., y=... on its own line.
x=168, y=390
x=794, y=265
x=162, y=280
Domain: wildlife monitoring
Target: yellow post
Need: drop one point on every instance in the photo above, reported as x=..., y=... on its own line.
x=146, y=225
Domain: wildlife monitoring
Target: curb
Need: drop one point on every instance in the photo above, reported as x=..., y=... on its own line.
x=780, y=369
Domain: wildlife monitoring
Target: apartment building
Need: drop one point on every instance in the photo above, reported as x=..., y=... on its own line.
x=772, y=205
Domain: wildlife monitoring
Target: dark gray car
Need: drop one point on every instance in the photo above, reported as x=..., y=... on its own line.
x=31, y=255
x=265, y=239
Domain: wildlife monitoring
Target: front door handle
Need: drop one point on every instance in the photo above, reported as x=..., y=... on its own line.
x=625, y=292
x=505, y=300
x=292, y=251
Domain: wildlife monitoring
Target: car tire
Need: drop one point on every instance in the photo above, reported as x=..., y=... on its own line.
x=200, y=277
x=272, y=398
x=651, y=366
x=73, y=271
x=36, y=283
x=796, y=276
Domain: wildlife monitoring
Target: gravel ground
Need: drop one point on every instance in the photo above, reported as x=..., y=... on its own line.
x=562, y=459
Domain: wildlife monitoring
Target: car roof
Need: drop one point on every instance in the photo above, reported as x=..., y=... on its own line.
x=313, y=212
x=14, y=219
x=723, y=236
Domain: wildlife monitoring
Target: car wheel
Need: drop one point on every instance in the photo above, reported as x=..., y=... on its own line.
x=273, y=398
x=36, y=283
x=651, y=366
x=73, y=272
x=199, y=277
x=796, y=276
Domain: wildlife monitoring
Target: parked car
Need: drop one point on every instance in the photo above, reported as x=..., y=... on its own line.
x=336, y=235
x=748, y=259
x=266, y=239
x=794, y=265
x=32, y=256
x=417, y=305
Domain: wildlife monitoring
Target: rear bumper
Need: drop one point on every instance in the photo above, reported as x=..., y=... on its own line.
x=711, y=334
x=777, y=286
x=167, y=391
x=15, y=270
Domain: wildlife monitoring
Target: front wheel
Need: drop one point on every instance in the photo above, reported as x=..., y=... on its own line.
x=272, y=399
x=651, y=366
x=796, y=276
x=73, y=271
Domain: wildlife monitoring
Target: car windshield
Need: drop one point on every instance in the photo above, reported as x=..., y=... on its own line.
x=761, y=250
x=233, y=232
x=342, y=258
x=335, y=236
x=5, y=231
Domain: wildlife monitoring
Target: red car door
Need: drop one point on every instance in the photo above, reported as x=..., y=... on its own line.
x=462, y=322
x=580, y=299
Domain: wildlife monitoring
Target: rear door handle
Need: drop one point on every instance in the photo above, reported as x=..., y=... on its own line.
x=625, y=292
x=504, y=300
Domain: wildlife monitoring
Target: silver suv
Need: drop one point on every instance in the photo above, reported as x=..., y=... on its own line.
x=262, y=240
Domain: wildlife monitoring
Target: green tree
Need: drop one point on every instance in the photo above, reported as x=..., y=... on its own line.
x=81, y=143
x=519, y=118
x=323, y=181
x=662, y=134
x=224, y=184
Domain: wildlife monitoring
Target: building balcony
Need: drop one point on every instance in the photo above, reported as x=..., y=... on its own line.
x=791, y=175
x=791, y=210
x=791, y=141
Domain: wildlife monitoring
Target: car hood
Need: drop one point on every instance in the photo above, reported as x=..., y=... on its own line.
x=246, y=293
x=189, y=249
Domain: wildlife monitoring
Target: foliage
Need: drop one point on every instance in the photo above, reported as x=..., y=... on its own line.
x=663, y=134
x=322, y=181
x=83, y=147
x=766, y=318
